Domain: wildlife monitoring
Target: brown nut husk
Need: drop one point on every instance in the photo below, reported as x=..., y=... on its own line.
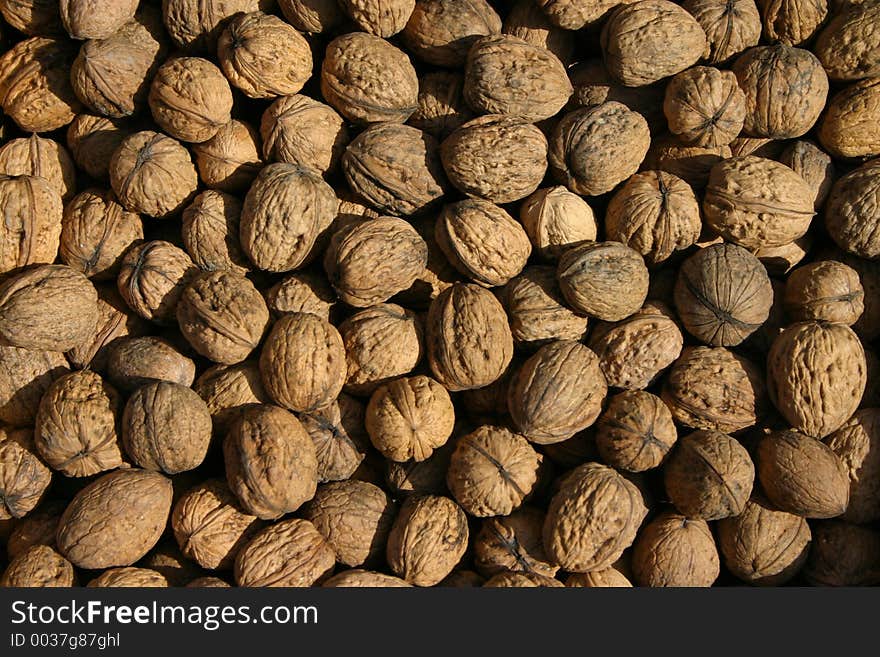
x=857, y=444
x=209, y=230
x=513, y=543
x=291, y=553
x=673, y=550
x=38, y=567
x=440, y=32
x=152, y=277
x=136, y=361
x=340, y=438
x=228, y=390
x=26, y=375
x=230, y=160
x=87, y=19
x=825, y=290
x=731, y=26
x=556, y=219
x=850, y=214
x=32, y=223
x=23, y=478
x=850, y=125
x=301, y=293
x=195, y=25
x=848, y=43
x=705, y=106
x=636, y=431
x=36, y=156
x=364, y=579
x=527, y=21
x=813, y=165
x=129, y=578
x=441, y=106
x=300, y=130
x=843, y=555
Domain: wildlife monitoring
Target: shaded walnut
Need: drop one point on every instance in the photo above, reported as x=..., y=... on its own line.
x=228, y=390
x=690, y=163
x=427, y=540
x=33, y=17
x=793, y=22
x=76, y=425
x=510, y=579
x=813, y=165
x=270, y=462
x=857, y=444
x=129, y=578
x=364, y=579
x=166, y=427
x=23, y=479
x=340, y=438
x=851, y=124
x=843, y=555
x=26, y=375
x=167, y=560
x=636, y=431
x=37, y=567
x=383, y=19
x=705, y=106
x=572, y=15
x=594, y=86
x=229, y=160
x=207, y=583
x=673, y=550
x=851, y=212
x=825, y=290
x=779, y=260
x=731, y=26
x=291, y=553
x=32, y=224
x=115, y=520
x=84, y=20
x=36, y=156
x=462, y=579
x=210, y=230
x=513, y=543
x=38, y=528
x=441, y=106
x=135, y=361
x=528, y=22
x=195, y=25
x=440, y=32
x=607, y=578
x=848, y=44
x=300, y=130
x=555, y=219
x=152, y=277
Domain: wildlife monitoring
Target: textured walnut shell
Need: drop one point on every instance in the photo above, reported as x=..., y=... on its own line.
x=816, y=376
x=87, y=19
x=33, y=17
x=857, y=444
x=843, y=555
x=825, y=290
x=291, y=553
x=690, y=163
x=49, y=307
x=115, y=520
x=851, y=211
x=510, y=579
x=673, y=550
x=513, y=543
x=76, y=425
x=594, y=86
x=756, y=202
x=167, y=559
x=210, y=231
x=723, y=294
x=785, y=90
x=152, y=277
x=129, y=578
x=606, y=280
x=166, y=427
x=813, y=165
x=636, y=431
x=229, y=160
x=301, y=293
x=382, y=19
x=462, y=579
x=793, y=22
x=152, y=174
x=340, y=438
x=364, y=579
x=23, y=478
x=848, y=44
x=195, y=25
x=715, y=389
x=228, y=390
x=25, y=375
x=31, y=228
x=467, y=337
x=528, y=22
x=36, y=156
x=441, y=106
x=300, y=130
x=779, y=260
x=208, y=582
x=427, y=540
x=366, y=79
x=594, y=148
x=607, y=578
x=38, y=528
x=136, y=361
x=592, y=519
x=355, y=517
x=705, y=106
x=440, y=32
x=555, y=219
x=573, y=15
x=270, y=462
x=37, y=567
x=286, y=209
x=731, y=26
x=851, y=124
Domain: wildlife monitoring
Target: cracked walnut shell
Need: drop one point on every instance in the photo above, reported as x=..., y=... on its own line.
x=636, y=431
x=291, y=553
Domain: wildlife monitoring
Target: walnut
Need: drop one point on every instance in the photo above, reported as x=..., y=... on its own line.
x=793, y=22
x=765, y=147
x=87, y=19
x=195, y=25
x=129, y=578
x=673, y=550
x=167, y=559
x=33, y=17
x=340, y=437
x=92, y=140
x=813, y=165
x=291, y=553
x=26, y=375
x=315, y=16
x=210, y=232
x=39, y=566
x=705, y=106
x=301, y=293
x=152, y=174
x=690, y=163
x=510, y=579
x=382, y=19
x=731, y=26
x=229, y=160
x=462, y=579
x=606, y=280
x=857, y=444
x=850, y=214
x=366, y=79
x=573, y=15
x=440, y=32
x=636, y=431
x=528, y=22
x=846, y=45
x=136, y=361
x=594, y=86
x=779, y=260
x=498, y=158
x=595, y=148
x=115, y=520
x=607, y=578
x=824, y=290
x=208, y=582
x=32, y=222
x=48, y=307
x=23, y=478
x=38, y=528
x=843, y=555
x=513, y=543
x=270, y=462
x=152, y=277
x=36, y=156
x=441, y=106
x=427, y=540
x=300, y=130
x=364, y=579
x=555, y=219
x=851, y=124
x=228, y=390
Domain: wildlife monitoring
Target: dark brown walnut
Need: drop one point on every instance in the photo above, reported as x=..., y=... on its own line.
x=228, y=390
x=38, y=567
x=636, y=431
x=492, y=471
x=441, y=105
x=649, y=40
x=210, y=231
x=843, y=555
x=76, y=424
x=498, y=158
x=857, y=444
x=482, y=241
x=723, y=294
x=230, y=160
x=136, y=361
x=468, y=338
x=129, y=578
x=763, y=546
x=715, y=389
x=555, y=219
x=166, y=427
x=606, y=280
x=270, y=462
x=38, y=528
x=300, y=130
x=592, y=519
x=851, y=124
x=634, y=352
x=33, y=17
x=364, y=579
x=595, y=148
x=195, y=25
x=366, y=79
x=673, y=550
x=152, y=278
x=705, y=106
x=92, y=140
x=381, y=343
x=757, y=203
x=690, y=163
x=23, y=480
x=383, y=19
x=656, y=213
x=801, y=475
x=115, y=520
x=825, y=290
x=427, y=540
x=785, y=90
x=48, y=307
x=340, y=438
x=510, y=579
x=355, y=517
x=25, y=375
x=96, y=232
x=35, y=89
x=410, y=417
x=528, y=22
x=285, y=211
x=208, y=582
x=31, y=228
x=848, y=44
x=851, y=211
x=813, y=165
x=607, y=578
x=152, y=174
x=36, y=156
x=209, y=525
x=731, y=26
x=86, y=19
x=594, y=86
x=440, y=32
x=793, y=22
x=305, y=292
x=816, y=376
x=513, y=543
x=291, y=553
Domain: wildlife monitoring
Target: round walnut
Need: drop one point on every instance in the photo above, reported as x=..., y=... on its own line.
x=595, y=148
x=229, y=160
x=366, y=79
x=286, y=208
x=134, y=362
x=48, y=307
x=25, y=375
x=705, y=106
x=291, y=553
x=813, y=165
x=339, y=436
x=757, y=203
x=76, y=425
x=355, y=517
x=843, y=555
x=731, y=26
x=115, y=520
x=848, y=44
x=195, y=25
x=555, y=219
x=441, y=106
x=851, y=124
x=305, y=292
x=36, y=156
x=528, y=21
x=785, y=90
x=498, y=158
x=673, y=550
x=802, y=476
x=23, y=478
x=210, y=230
x=723, y=294
x=228, y=390
x=816, y=376
x=152, y=174
x=857, y=444
x=300, y=130
x=428, y=539
x=357, y=578
x=636, y=431
x=129, y=578
x=468, y=338
x=825, y=290
x=440, y=32
x=86, y=19
x=690, y=163
x=513, y=543
x=851, y=212
x=383, y=19
x=92, y=140
x=606, y=280
x=33, y=17
x=270, y=462
x=37, y=567
x=152, y=277
x=32, y=222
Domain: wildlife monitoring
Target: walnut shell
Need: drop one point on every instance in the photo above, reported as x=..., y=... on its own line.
x=779, y=260
x=382, y=19
x=136, y=361
x=705, y=106
x=850, y=214
x=291, y=553
x=607, y=578
x=594, y=86
x=39, y=566
x=36, y=156
x=441, y=106
x=340, y=437
x=300, y=130
x=573, y=15
x=167, y=560
x=513, y=543
x=731, y=26
x=857, y=444
x=210, y=231
x=26, y=375
x=230, y=160
x=843, y=555
x=813, y=165
x=115, y=520
x=38, y=528
x=528, y=22
x=31, y=228
x=851, y=124
x=824, y=290
x=84, y=20
x=301, y=293
x=129, y=578
x=208, y=582
x=33, y=17
x=195, y=25
x=555, y=219
x=673, y=550
x=364, y=579
x=228, y=390
x=440, y=32
x=511, y=579
x=636, y=431
x=848, y=44
x=152, y=277
x=24, y=480
x=793, y=22
x=690, y=163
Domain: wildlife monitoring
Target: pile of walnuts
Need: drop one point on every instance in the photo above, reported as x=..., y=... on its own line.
x=439, y=292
